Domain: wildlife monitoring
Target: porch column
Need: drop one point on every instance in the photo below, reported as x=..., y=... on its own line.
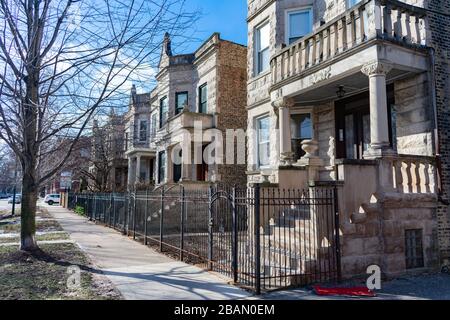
x=186, y=163
x=130, y=171
x=379, y=123
x=284, y=117
x=138, y=169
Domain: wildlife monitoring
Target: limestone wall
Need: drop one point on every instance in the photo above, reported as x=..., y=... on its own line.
x=414, y=116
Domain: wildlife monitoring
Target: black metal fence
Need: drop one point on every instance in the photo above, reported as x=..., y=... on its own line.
x=262, y=238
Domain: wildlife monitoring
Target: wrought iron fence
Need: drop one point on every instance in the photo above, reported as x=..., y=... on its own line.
x=262, y=238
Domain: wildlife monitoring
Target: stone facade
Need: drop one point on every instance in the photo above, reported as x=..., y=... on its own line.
x=391, y=184
x=220, y=67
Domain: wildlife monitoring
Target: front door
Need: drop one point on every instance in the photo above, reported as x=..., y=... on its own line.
x=353, y=125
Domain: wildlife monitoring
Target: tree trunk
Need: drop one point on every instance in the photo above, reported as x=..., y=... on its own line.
x=30, y=183
x=28, y=210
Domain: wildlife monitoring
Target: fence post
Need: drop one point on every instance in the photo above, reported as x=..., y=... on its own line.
x=146, y=217
x=210, y=229
x=111, y=208
x=182, y=214
x=337, y=234
x=257, y=210
x=134, y=215
x=161, y=222
x=94, y=208
x=126, y=211
x=235, y=236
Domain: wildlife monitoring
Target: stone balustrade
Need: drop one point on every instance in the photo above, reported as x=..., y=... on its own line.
x=372, y=19
x=414, y=174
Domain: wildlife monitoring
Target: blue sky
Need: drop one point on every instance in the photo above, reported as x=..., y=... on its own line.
x=225, y=16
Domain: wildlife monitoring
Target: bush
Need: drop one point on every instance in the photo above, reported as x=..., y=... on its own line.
x=79, y=210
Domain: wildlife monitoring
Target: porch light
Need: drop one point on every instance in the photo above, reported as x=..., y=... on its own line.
x=341, y=92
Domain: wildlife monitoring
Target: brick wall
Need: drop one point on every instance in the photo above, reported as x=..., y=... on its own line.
x=439, y=24
x=231, y=99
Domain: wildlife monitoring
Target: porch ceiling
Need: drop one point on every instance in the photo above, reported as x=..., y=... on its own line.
x=353, y=84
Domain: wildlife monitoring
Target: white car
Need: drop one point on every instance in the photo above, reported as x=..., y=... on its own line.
x=52, y=199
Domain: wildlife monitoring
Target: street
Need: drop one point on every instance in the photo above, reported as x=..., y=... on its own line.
x=4, y=206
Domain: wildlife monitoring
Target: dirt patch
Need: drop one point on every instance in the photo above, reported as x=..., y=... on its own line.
x=44, y=275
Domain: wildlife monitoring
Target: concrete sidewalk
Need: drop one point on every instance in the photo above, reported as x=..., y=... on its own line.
x=141, y=273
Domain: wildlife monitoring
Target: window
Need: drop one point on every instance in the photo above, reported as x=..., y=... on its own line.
x=299, y=24
x=203, y=99
x=414, y=249
x=301, y=129
x=351, y=3
x=143, y=130
x=161, y=166
x=262, y=48
x=181, y=101
x=263, y=135
x=126, y=144
x=154, y=124
x=163, y=112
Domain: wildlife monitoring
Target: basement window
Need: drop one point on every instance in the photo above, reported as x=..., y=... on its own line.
x=414, y=249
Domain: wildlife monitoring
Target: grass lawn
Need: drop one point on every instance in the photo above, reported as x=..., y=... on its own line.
x=43, y=275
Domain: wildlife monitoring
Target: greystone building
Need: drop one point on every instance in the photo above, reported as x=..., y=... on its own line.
x=355, y=94
x=207, y=89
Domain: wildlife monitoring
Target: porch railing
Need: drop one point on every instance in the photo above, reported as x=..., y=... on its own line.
x=383, y=19
x=261, y=238
x=415, y=174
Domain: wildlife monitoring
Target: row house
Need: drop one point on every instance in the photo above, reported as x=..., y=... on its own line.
x=108, y=170
x=205, y=90
x=352, y=94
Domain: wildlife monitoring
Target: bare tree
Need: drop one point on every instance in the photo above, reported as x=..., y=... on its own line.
x=60, y=61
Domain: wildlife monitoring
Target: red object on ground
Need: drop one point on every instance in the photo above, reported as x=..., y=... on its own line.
x=355, y=291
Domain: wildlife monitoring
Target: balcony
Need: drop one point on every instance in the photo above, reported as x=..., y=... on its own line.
x=186, y=120
x=367, y=24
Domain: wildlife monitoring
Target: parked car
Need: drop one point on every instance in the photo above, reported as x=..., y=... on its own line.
x=4, y=196
x=52, y=199
x=18, y=199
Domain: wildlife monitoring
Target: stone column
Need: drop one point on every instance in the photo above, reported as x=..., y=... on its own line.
x=138, y=169
x=186, y=163
x=379, y=123
x=284, y=116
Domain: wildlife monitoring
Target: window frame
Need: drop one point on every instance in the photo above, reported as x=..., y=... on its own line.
x=140, y=131
x=162, y=168
x=153, y=124
x=258, y=141
x=200, y=101
x=349, y=5
x=179, y=109
x=288, y=13
x=162, y=121
x=258, y=70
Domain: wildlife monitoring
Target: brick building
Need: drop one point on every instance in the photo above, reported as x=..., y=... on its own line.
x=355, y=94
x=206, y=88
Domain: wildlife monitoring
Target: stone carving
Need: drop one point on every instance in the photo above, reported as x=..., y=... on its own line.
x=321, y=75
x=283, y=102
x=376, y=67
x=332, y=151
